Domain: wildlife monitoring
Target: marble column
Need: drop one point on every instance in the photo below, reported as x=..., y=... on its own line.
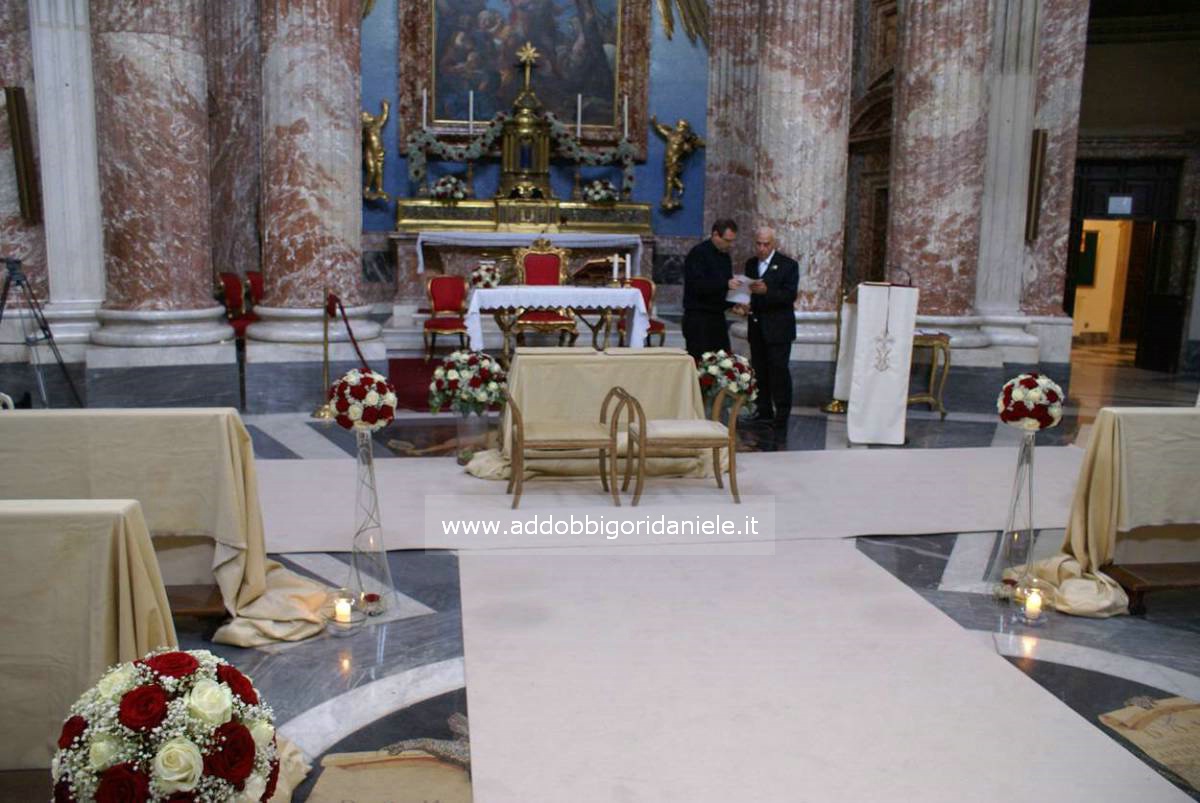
x=153, y=143
x=66, y=110
x=234, y=127
x=804, y=99
x=732, y=125
x=939, y=149
x=311, y=176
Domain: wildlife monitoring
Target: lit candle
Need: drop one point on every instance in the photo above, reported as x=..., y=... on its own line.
x=626, y=116
x=1033, y=605
x=471, y=113
x=341, y=611
x=616, y=262
x=578, y=117
x=424, y=108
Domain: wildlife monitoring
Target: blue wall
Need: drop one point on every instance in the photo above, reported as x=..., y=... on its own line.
x=678, y=89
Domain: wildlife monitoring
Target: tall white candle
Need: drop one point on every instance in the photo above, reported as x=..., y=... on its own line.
x=424, y=108
x=579, y=117
x=471, y=113
x=626, y=116
x=616, y=262
x=628, y=266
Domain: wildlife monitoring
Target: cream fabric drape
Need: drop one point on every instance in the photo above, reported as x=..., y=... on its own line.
x=79, y=592
x=193, y=471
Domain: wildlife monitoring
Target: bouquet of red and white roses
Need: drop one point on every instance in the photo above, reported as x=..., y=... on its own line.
x=449, y=188
x=363, y=399
x=173, y=726
x=486, y=275
x=719, y=369
x=466, y=382
x=600, y=191
x=1030, y=402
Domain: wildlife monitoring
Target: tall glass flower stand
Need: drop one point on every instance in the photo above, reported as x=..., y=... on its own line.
x=370, y=576
x=1029, y=593
x=471, y=436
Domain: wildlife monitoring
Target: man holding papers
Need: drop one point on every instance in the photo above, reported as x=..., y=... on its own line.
x=707, y=278
x=773, y=282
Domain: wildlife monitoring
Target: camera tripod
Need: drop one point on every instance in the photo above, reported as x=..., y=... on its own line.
x=16, y=278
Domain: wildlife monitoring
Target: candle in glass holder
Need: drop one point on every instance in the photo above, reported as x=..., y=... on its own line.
x=1033, y=605
x=341, y=611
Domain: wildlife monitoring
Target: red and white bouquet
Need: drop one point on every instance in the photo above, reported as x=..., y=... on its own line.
x=600, y=191
x=486, y=275
x=466, y=382
x=449, y=188
x=719, y=369
x=1030, y=402
x=363, y=399
x=173, y=726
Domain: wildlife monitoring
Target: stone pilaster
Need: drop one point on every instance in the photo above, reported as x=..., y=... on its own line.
x=939, y=150
x=803, y=100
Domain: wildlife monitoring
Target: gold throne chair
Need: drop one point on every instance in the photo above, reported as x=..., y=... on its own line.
x=543, y=264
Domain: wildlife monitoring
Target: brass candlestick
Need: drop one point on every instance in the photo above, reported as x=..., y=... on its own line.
x=324, y=412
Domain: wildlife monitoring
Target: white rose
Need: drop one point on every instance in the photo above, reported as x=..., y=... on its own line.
x=178, y=766
x=1000, y=404
x=262, y=731
x=433, y=386
x=389, y=399
x=452, y=374
x=744, y=379
x=439, y=372
x=1034, y=395
x=706, y=355
x=103, y=752
x=253, y=790
x=55, y=767
x=726, y=363
x=1018, y=393
x=493, y=387
x=355, y=412
x=352, y=378
x=210, y=701
x=481, y=395
x=714, y=370
x=372, y=399
x=1030, y=424
x=117, y=682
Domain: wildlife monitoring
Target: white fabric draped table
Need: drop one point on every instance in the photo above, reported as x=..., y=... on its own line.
x=515, y=239
x=1141, y=471
x=79, y=591
x=882, y=359
x=552, y=297
x=193, y=472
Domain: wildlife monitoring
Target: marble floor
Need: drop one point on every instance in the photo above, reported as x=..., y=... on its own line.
x=404, y=677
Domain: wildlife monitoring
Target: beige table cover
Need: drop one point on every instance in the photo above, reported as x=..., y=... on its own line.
x=193, y=472
x=572, y=383
x=1141, y=469
x=79, y=592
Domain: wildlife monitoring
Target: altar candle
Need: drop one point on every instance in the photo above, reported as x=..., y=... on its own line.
x=341, y=611
x=626, y=97
x=1033, y=605
x=628, y=264
x=471, y=113
x=579, y=117
x=424, y=108
x=616, y=262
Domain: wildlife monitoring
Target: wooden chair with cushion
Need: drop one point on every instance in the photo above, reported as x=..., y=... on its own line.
x=657, y=327
x=447, y=306
x=565, y=434
x=543, y=264
x=669, y=436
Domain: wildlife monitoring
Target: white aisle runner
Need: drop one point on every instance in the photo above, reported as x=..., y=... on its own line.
x=810, y=675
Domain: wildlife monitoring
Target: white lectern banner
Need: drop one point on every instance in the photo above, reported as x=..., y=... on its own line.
x=883, y=337
x=845, y=355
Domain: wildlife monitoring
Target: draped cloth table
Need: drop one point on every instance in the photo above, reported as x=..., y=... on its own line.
x=542, y=297
x=882, y=359
x=515, y=239
x=556, y=383
x=193, y=471
x=1140, y=471
x=79, y=591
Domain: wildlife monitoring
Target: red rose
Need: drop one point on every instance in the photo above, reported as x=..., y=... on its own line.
x=123, y=784
x=439, y=384
x=238, y=683
x=370, y=415
x=344, y=422
x=143, y=708
x=1051, y=396
x=173, y=664
x=72, y=729
x=358, y=391
x=472, y=360
x=706, y=380
x=272, y=779
x=1029, y=382
x=62, y=792
x=342, y=406
x=386, y=413
x=233, y=759
x=485, y=374
x=475, y=382
x=452, y=384
x=381, y=388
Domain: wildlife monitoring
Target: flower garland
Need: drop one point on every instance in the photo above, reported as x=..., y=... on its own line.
x=719, y=369
x=486, y=275
x=466, y=382
x=449, y=188
x=599, y=192
x=1031, y=402
x=363, y=399
x=171, y=726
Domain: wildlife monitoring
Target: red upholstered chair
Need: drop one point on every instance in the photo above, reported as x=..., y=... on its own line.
x=657, y=327
x=233, y=294
x=543, y=264
x=447, y=305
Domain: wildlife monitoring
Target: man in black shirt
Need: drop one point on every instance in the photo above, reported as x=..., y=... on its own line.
x=707, y=278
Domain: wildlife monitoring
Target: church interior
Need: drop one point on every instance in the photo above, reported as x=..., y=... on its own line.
x=600, y=400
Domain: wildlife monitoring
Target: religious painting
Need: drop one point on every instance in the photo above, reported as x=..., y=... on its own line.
x=591, y=52
x=475, y=46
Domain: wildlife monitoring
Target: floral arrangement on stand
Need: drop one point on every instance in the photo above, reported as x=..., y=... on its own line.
x=173, y=726
x=719, y=369
x=449, y=188
x=467, y=382
x=600, y=191
x=1031, y=402
x=486, y=275
x=363, y=399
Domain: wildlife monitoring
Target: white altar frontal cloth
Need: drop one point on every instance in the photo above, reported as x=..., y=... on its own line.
x=517, y=239
x=549, y=297
x=883, y=336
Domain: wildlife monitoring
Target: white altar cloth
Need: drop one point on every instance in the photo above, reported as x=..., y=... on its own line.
x=517, y=239
x=538, y=297
x=883, y=336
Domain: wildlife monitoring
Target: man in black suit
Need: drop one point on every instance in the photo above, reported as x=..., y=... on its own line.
x=707, y=278
x=772, y=326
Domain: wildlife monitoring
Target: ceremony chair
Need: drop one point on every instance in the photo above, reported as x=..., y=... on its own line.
x=447, y=306
x=565, y=434
x=234, y=296
x=649, y=290
x=543, y=264
x=673, y=436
